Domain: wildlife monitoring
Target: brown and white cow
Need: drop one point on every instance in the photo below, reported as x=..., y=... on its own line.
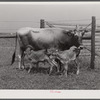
x=45, y=38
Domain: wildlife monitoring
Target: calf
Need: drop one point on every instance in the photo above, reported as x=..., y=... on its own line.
x=35, y=57
x=68, y=55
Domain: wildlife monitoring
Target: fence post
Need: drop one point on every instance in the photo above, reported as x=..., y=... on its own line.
x=93, y=26
x=42, y=23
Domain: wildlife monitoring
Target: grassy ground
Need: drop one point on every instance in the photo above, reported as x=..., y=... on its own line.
x=13, y=78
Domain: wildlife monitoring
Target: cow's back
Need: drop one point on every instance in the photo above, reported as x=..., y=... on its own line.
x=44, y=38
x=40, y=38
x=25, y=30
x=52, y=31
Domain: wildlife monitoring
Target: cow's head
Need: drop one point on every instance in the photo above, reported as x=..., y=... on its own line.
x=71, y=38
x=79, y=34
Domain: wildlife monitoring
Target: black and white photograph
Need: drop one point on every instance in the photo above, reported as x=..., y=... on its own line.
x=51, y=46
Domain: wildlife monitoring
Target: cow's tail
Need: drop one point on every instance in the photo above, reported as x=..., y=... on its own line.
x=14, y=54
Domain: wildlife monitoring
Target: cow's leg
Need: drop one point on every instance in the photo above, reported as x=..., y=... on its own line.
x=51, y=67
x=21, y=59
x=29, y=70
x=77, y=70
x=78, y=66
x=59, y=63
x=55, y=61
x=66, y=69
x=55, y=64
x=30, y=67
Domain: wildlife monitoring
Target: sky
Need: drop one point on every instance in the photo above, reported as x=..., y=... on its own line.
x=16, y=15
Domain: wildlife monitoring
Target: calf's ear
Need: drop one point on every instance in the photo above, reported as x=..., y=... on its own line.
x=75, y=49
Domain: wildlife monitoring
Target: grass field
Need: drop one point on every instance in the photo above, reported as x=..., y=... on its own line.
x=13, y=78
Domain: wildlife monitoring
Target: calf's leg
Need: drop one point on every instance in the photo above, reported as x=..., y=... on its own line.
x=66, y=69
x=78, y=66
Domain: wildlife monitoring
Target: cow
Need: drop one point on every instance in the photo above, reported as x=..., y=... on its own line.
x=34, y=57
x=67, y=56
x=45, y=38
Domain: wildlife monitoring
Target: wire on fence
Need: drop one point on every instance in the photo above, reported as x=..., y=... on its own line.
x=90, y=51
x=50, y=25
x=87, y=26
x=71, y=20
x=68, y=24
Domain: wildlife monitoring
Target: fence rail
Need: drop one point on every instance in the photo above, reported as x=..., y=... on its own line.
x=7, y=36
